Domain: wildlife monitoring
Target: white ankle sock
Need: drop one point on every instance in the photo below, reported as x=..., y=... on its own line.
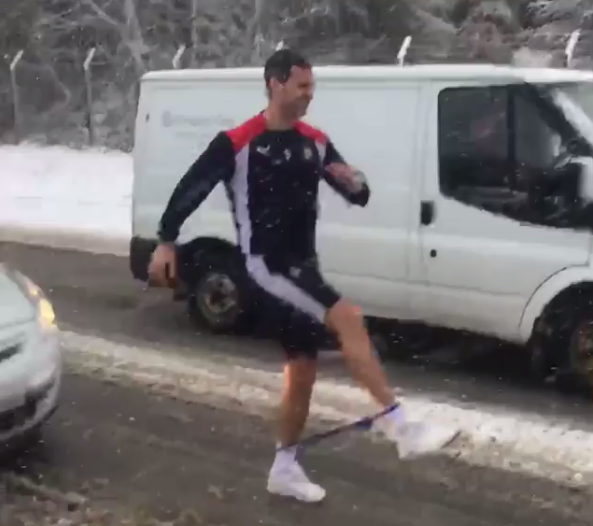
x=285, y=457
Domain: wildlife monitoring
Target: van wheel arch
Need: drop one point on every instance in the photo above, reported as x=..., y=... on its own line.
x=202, y=246
x=555, y=343
x=212, y=267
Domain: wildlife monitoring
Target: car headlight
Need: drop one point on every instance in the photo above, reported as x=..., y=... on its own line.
x=45, y=311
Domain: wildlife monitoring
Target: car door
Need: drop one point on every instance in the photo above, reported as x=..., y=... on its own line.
x=484, y=246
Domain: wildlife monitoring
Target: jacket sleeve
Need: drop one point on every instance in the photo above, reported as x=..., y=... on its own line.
x=361, y=197
x=215, y=164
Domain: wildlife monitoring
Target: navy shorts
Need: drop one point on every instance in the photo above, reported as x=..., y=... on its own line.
x=295, y=302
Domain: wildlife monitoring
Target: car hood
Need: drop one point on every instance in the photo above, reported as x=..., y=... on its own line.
x=15, y=307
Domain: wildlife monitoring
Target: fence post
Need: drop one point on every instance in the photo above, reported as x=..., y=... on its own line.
x=89, y=94
x=571, y=44
x=403, y=50
x=177, y=58
x=18, y=123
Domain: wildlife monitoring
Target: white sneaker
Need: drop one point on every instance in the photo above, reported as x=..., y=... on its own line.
x=289, y=480
x=415, y=439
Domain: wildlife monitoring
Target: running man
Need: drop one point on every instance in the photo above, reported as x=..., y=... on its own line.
x=271, y=167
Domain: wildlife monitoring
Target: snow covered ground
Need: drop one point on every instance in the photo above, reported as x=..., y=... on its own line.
x=71, y=198
x=557, y=449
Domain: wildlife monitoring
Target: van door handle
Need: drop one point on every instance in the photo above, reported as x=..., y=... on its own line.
x=426, y=212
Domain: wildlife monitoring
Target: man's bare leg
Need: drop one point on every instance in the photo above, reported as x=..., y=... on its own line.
x=299, y=378
x=286, y=476
x=347, y=322
x=412, y=439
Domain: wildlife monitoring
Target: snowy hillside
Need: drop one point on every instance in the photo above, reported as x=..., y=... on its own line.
x=133, y=36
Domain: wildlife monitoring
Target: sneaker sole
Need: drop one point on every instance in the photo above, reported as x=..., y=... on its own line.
x=281, y=494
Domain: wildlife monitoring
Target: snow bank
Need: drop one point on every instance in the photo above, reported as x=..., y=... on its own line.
x=558, y=449
x=76, y=197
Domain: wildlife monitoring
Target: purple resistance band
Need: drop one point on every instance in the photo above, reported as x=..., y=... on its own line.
x=362, y=423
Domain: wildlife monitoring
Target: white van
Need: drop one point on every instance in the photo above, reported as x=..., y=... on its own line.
x=479, y=218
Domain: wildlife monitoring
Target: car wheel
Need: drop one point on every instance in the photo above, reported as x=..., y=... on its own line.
x=30, y=443
x=219, y=295
x=32, y=440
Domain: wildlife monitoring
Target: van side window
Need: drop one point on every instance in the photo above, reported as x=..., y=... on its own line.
x=473, y=138
x=495, y=150
x=537, y=144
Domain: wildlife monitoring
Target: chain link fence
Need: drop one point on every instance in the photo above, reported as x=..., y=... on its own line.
x=85, y=100
x=75, y=107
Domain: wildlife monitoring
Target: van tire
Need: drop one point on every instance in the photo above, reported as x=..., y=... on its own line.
x=575, y=372
x=218, y=295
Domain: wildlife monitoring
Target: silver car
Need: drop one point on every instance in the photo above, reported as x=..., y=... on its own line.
x=30, y=359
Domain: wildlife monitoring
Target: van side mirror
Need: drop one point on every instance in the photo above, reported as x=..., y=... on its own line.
x=564, y=181
x=563, y=197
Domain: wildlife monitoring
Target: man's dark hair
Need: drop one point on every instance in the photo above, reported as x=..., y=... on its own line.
x=279, y=65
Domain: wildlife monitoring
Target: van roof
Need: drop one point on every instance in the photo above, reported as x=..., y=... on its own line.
x=384, y=72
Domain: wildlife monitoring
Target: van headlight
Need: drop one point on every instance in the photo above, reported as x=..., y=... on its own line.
x=46, y=316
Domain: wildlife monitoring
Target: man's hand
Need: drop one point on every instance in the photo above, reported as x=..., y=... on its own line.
x=162, y=269
x=347, y=175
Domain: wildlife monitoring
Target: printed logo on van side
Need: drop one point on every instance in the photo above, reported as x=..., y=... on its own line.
x=170, y=119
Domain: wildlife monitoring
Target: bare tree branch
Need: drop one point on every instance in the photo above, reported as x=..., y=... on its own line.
x=129, y=32
x=133, y=36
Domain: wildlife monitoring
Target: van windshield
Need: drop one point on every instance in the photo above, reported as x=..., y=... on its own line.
x=575, y=100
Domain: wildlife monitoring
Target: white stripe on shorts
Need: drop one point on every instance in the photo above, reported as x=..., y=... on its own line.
x=284, y=289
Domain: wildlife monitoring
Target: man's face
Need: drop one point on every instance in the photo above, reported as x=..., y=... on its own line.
x=295, y=95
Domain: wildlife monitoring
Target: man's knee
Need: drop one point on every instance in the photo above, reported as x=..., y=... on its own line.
x=344, y=317
x=300, y=373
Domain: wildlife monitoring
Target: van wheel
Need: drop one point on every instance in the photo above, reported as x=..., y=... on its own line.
x=576, y=373
x=218, y=296
x=390, y=340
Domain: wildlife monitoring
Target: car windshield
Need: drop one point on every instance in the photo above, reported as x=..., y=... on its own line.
x=576, y=102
